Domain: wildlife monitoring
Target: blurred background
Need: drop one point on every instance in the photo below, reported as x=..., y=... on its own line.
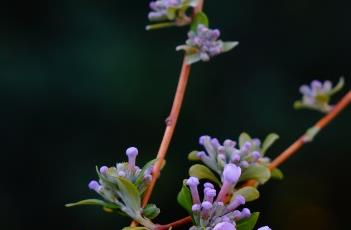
x=82, y=80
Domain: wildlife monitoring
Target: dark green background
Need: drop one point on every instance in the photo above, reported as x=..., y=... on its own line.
x=82, y=80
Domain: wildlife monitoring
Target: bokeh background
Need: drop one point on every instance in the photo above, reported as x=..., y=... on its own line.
x=82, y=80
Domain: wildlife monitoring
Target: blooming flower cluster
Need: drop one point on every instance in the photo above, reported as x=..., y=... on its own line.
x=171, y=11
x=203, y=44
x=107, y=184
x=214, y=213
x=317, y=95
x=217, y=155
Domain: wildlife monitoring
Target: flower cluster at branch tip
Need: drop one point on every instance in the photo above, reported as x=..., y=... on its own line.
x=206, y=41
x=203, y=43
x=317, y=95
x=216, y=214
x=171, y=11
x=108, y=177
x=218, y=155
x=213, y=213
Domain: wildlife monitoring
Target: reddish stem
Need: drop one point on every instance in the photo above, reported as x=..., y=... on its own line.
x=177, y=223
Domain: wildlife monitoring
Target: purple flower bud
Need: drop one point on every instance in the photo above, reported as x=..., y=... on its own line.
x=209, y=194
x=256, y=142
x=202, y=139
x=246, y=147
x=264, y=228
x=206, y=205
x=244, y=164
x=235, y=158
x=231, y=173
x=305, y=90
x=208, y=185
x=225, y=226
x=206, y=208
x=131, y=152
x=316, y=85
x=215, y=142
x=255, y=155
x=236, y=215
x=94, y=185
x=245, y=213
x=235, y=203
x=103, y=170
x=229, y=143
x=193, y=182
x=201, y=154
x=196, y=208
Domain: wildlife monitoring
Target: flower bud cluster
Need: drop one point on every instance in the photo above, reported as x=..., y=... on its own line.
x=211, y=213
x=107, y=185
x=217, y=155
x=317, y=95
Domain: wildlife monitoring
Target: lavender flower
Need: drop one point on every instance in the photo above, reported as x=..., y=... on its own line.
x=317, y=95
x=210, y=214
x=203, y=43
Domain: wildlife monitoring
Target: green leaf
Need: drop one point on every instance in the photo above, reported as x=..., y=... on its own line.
x=151, y=211
x=244, y=137
x=192, y=58
x=93, y=202
x=129, y=194
x=193, y=156
x=268, y=142
x=160, y=25
x=256, y=172
x=338, y=87
x=199, y=19
x=226, y=46
x=202, y=172
x=184, y=198
x=140, y=178
x=277, y=174
x=249, y=193
x=171, y=13
x=248, y=223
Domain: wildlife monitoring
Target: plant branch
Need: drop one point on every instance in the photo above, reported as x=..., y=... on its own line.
x=177, y=223
x=171, y=121
x=307, y=137
x=342, y=104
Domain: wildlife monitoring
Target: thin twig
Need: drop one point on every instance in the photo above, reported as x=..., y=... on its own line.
x=174, y=224
x=171, y=121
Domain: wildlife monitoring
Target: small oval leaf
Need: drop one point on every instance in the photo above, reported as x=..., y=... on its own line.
x=199, y=19
x=277, y=174
x=227, y=46
x=202, y=172
x=248, y=223
x=256, y=172
x=193, y=156
x=268, y=142
x=249, y=193
x=129, y=194
x=184, y=198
